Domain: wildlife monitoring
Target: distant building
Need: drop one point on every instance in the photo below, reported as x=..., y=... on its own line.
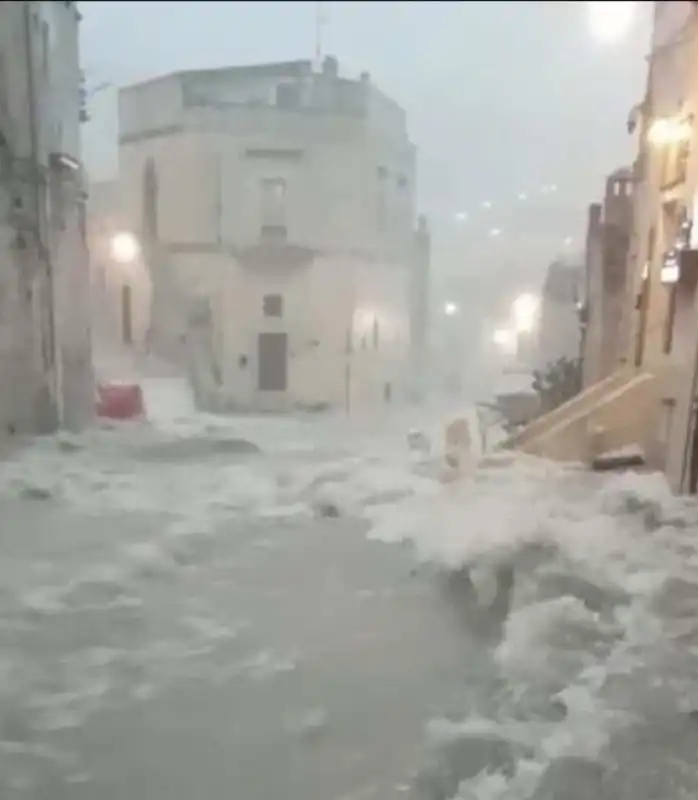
x=282, y=199
x=604, y=313
x=45, y=357
x=559, y=334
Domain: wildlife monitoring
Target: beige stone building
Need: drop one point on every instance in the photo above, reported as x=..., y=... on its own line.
x=643, y=352
x=609, y=229
x=663, y=315
x=45, y=357
x=274, y=205
x=559, y=331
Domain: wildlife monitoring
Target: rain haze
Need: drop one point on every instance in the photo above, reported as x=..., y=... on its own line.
x=348, y=401
x=517, y=112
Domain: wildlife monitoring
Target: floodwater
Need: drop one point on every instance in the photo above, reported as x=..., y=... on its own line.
x=263, y=608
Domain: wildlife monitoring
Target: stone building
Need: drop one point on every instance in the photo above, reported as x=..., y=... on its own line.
x=559, y=333
x=609, y=230
x=45, y=358
x=282, y=197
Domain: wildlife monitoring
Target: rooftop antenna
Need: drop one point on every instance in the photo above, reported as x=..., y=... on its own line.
x=320, y=20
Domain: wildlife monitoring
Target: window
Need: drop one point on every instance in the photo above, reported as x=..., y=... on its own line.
x=150, y=201
x=273, y=305
x=643, y=300
x=273, y=202
x=349, y=342
x=273, y=234
x=651, y=241
x=382, y=198
x=675, y=163
x=669, y=319
x=682, y=156
x=376, y=334
x=288, y=96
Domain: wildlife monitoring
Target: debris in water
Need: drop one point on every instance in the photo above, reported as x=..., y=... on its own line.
x=327, y=511
x=36, y=493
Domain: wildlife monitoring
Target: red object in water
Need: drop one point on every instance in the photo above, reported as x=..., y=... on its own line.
x=120, y=401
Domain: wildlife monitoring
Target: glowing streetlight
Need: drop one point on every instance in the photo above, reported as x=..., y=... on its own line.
x=671, y=130
x=610, y=21
x=450, y=309
x=525, y=312
x=505, y=339
x=124, y=247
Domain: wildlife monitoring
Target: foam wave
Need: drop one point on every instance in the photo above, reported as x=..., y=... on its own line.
x=594, y=647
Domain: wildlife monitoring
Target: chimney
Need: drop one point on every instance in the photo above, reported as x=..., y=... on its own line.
x=594, y=217
x=330, y=67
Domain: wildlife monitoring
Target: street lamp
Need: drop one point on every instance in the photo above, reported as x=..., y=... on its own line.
x=610, y=21
x=525, y=312
x=505, y=339
x=670, y=130
x=124, y=247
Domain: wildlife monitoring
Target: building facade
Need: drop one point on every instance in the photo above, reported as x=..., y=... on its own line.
x=274, y=205
x=45, y=355
x=650, y=399
x=662, y=316
x=604, y=311
x=559, y=332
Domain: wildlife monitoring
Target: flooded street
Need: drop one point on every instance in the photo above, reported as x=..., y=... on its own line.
x=281, y=608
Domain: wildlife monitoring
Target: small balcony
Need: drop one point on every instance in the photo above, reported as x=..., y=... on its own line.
x=274, y=251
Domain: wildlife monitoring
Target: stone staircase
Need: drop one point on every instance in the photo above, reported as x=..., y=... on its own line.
x=609, y=416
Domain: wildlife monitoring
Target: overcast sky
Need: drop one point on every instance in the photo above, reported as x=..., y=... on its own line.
x=502, y=97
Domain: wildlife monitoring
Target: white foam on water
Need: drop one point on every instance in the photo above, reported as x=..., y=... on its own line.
x=602, y=632
x=596, y=562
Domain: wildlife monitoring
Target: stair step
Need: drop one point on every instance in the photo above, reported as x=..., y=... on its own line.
x=617, y=462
